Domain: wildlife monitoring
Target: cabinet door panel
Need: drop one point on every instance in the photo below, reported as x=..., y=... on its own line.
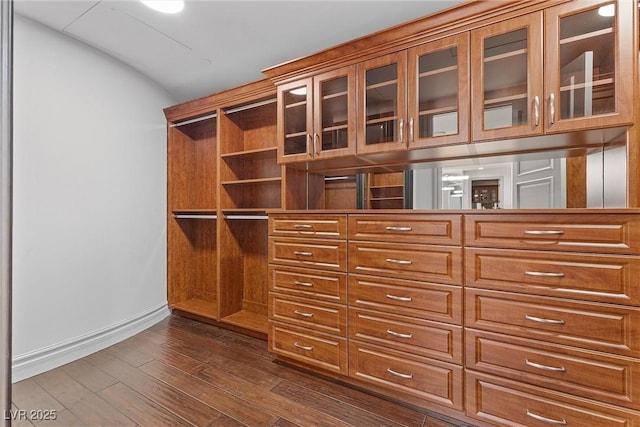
x=439, y=92
x=589, y=69
x=295, y=121
x=507, y=80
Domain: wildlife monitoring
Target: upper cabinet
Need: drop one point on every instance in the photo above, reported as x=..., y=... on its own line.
x=507, y=81
x=586, y=81
x=382, y=100
x=589, y=65
x=316, y=117
x=438, y=77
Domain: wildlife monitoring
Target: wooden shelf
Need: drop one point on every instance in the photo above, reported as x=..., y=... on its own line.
x=296, y=104
x=258, y=154
x=595, y=83
x=586, y=36
x=505, y=99
x=451, y=109
x=334, y=95
x=198, y=306
x=506, y=55
x=381, y=120
x=254, y=181
x=246, y=319
x=383, y=84
x=438, y=71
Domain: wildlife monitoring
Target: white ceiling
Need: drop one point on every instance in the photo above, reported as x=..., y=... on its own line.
x=218, y=44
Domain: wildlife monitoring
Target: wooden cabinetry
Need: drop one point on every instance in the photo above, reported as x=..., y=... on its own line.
x=586, y=49
x=222, y=177
x=390, y=190
x=316, y=116
x=552, y=304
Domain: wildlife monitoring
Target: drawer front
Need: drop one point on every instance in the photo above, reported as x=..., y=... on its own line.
x=313, y=348
x=602, y=278
x=326, y=317
x=426, y=338
x=323, y=254
x=427, y=379
x=503, y=402
x=424, y=229
x=614, y=233
x=440, y=264
x=412, y=298
x=583, y=373
x=326, y=286
x=308, y=226
x=600, y=327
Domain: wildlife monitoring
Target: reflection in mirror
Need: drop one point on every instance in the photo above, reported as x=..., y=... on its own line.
x=589, y=178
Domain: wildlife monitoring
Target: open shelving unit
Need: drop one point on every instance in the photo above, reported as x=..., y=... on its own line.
x=388, y=191
x=192, y=216
x=250, y=184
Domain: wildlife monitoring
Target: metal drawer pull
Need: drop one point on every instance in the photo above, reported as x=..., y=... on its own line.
x=545, y=419
x=303, y=314
x=542, y=320
x=400, y=374
x=545, y=367
x=543, y=274
x=305, y=226
x=303, y=347
x=395, y=228
x=302, y=253
x=544, y=232
x=307, y=284
x=397, y=298
x=398, y=334
x=398, y=261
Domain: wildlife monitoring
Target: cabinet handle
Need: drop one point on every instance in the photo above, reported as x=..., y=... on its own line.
x=302, y=253
x=543, y=274
x=552, y=107
x=545, y=367
x=536, y=109
x=304, y=226
x=303, y=314
x=397, y=298
x=303, y=347
x=545, y=419
x=542, y=320
x=401, y=130
x=398, y=334
x=398, y=261
x=392, y=228
x=400, y=374
x=315, y=143
x=411, y=129
x=307, y=284
x=544, y=232
x=309, y=140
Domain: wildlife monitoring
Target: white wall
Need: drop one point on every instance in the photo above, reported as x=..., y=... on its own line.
x=89, y=200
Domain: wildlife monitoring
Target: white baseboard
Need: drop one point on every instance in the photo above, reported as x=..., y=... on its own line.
x=41, y=360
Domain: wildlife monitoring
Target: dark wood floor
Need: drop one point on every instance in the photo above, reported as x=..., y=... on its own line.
x=181, y=372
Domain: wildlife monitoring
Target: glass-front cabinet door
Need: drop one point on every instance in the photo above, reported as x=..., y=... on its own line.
x=507, y=80
x=295, y=121
x=589, y=73
x=382, y=104
x=334, y=112
x=439, y=92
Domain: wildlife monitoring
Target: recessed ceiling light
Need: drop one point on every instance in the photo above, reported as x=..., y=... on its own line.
x=607, y=11
x=165, y=6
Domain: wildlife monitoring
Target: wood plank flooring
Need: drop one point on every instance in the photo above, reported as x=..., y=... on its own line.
x=181, y=372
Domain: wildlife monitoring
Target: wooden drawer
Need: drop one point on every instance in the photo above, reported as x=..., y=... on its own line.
x=407, y=228
x=323, y=254
x=440, y=264
x=313, y=348
x=602, y=278
x=441, y=341
x=320, y=285
x=316, y=315
x=426, y=379
x=411, y=298
x=308, y=226
x=584, y=373
x=503, y=402
x=615, y=233
x=601, y=327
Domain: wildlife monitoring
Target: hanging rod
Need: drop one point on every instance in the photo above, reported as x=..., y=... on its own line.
x=192, y=216
x=246, y=217
x=249, y=106
x=340, y=178
x=197, y=119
